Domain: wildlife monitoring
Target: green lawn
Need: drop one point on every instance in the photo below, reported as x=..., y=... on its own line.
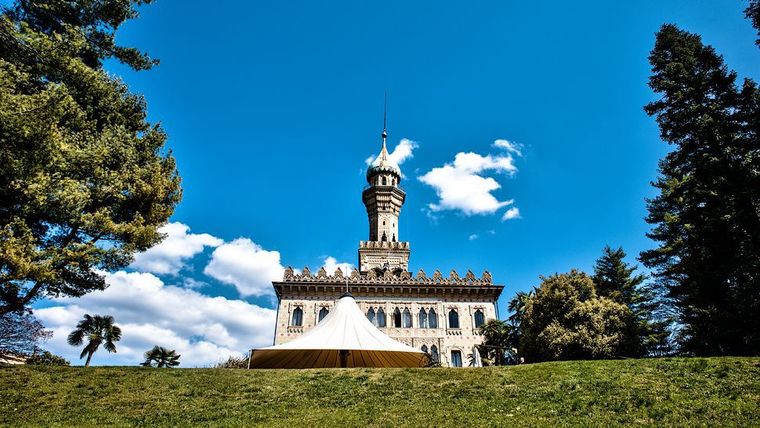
x=670, y=391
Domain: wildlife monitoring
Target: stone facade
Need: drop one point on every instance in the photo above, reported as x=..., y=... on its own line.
x=437, y=314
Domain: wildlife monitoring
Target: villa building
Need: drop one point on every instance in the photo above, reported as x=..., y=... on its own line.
x=437, y=314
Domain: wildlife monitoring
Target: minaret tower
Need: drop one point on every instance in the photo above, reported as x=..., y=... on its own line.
x=383, y=198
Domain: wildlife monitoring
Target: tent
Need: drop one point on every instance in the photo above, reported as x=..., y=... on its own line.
x=344, y=338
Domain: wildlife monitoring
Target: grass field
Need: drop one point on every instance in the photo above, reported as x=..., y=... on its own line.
x=670, y=391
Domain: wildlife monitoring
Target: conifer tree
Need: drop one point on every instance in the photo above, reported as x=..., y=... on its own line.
x=85, y=180
x=706, y=218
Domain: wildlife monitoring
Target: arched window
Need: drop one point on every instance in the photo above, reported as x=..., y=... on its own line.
x=407, y=319
x=397, y=318
x=434, y=353
x=297, y=319
x=371, y=316
x=380, y=317
x=453, y=319
x=456, y=358
x=322, y=313
x=384, y=238
x=422, y=319
x=432, y=319
x=384, y=181
x=424, y=348
x=480, y=319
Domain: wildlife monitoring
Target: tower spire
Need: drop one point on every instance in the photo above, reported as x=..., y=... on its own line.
x=385, y=117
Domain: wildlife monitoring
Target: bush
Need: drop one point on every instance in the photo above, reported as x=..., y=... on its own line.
x=46, y=358
x=233, y=362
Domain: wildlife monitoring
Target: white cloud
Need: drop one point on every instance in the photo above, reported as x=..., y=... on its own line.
x=247, y=266
x=509, y=146
x=330, y=264
x=400, y=153
x=473, y=237
x=169, y=256
x=461, y=185
x=203, y=329
x=510, y=214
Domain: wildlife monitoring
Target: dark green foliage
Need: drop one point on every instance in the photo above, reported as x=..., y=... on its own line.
x=565, y=319
x=160, y=357
x=98, y=330
x=654, y=392
x=648, y=329
x=753, y=14
x=84, y=178
x=706, y=218
x=497, y=342
x=46, y=358
x=21, y=333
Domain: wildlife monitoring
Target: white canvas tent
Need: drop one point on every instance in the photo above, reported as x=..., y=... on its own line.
x=344, y=338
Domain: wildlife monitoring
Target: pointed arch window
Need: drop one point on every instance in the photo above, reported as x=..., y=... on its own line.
x=406, y=319
x=432, y=319
x=453, y=319
x=380, y=318
x=371, y=316
x=480, y=319
x=422, y=319
x=322, y=314
x=456, y=358
x=297, y=319
x=385, y=181
x=396, y=318
x=434, y=353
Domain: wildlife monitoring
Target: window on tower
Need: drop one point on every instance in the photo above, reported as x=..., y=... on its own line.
x=384, y=181
x=371, y=316
x=422, y=321
x=396, y=318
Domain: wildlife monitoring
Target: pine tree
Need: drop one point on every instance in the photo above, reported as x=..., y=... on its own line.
x=85, y=179
x=647, y=329
x=707, y=216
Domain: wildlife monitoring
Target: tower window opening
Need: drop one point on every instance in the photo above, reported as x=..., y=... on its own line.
x=480, y=319
x=384, y=181
x=432, y=319
x=407, y=319
x=453, y=319
x=371, y=316
x=423, y=319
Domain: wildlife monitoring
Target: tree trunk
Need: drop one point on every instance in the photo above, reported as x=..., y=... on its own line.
x=89, y=357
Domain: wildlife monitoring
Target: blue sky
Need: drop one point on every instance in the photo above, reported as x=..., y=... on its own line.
x=272, y=109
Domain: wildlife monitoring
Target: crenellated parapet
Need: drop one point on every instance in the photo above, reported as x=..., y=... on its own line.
x=378, y=276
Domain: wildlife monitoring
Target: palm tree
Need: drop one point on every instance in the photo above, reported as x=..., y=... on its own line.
x=99, y=330
x=161, y=357
x=497, y=336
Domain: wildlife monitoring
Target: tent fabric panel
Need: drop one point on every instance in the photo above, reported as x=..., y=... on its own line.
x=300, y=359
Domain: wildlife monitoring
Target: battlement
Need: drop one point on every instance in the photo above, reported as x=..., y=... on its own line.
x=390, y=245
x=387, y=277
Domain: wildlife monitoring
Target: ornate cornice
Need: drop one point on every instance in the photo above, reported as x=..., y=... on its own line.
x=387, y=277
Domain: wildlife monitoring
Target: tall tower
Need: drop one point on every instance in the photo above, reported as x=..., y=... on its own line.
x=383, y=198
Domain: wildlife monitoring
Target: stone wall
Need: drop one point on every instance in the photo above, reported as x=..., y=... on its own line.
x=445, y=338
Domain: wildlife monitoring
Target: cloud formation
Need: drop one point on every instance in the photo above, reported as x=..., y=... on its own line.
x=510, y=214
x=203, y=329
x=331, y=264
x=245, y=265
x=170, y=255
x=403, y=151
x=462, y=186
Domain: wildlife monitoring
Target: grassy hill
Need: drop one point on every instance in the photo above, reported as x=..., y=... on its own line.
x=671, y=391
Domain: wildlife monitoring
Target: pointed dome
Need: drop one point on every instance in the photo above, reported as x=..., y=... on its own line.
x=383, y=163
